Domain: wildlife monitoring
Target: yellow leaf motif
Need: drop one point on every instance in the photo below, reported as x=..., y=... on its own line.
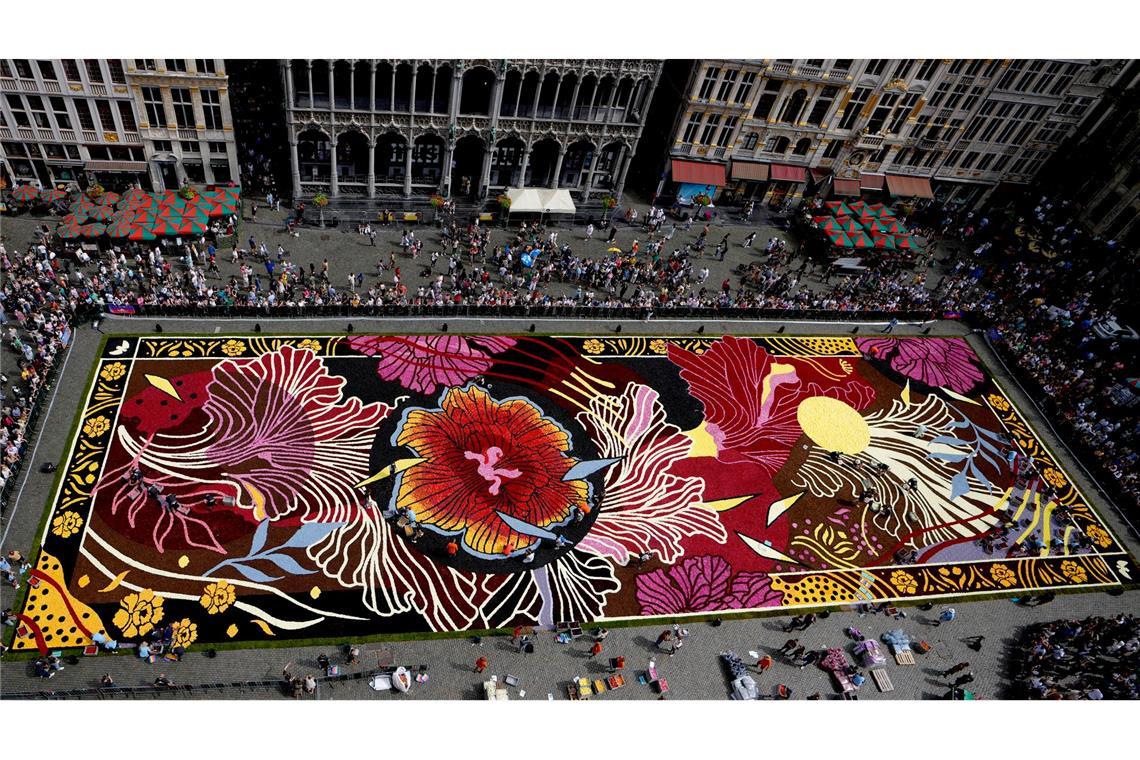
x=114, y=584
x=314, y=592
x=264, y=627
x=232, y=630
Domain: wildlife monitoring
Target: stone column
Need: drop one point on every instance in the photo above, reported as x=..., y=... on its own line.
x=371, y=168
x=590, y=172
x=392, y=92
x=573, y=98
x=523, y=166
x=334, y=184
x=309, y=63
x=296, y=162
x=445, y=175
x=620, y=185
x=411, y=144
x=372, y=88
x=290, y=95
x=485, y=173
x=332, y=92
x=412, y=99
x=558, y=165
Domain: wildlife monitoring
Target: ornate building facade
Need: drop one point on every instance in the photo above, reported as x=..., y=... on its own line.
x=955, y=129
x=151, y=123
x=465, y=129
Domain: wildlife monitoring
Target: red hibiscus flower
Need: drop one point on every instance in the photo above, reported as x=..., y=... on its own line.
x=750, y=398
x=484, y=457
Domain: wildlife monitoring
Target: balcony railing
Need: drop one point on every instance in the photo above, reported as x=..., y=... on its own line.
x=873, y=142
x=67, y=135
x=89, y=136
x=187, y=134
x=26, y=133
x=782, y=69
x=811, y=72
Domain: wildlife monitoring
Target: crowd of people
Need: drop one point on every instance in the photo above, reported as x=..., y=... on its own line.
x=1095, y=658
x=1041, y=309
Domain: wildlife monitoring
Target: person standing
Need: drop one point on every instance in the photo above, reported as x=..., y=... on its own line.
x=590, y=231
x=748, y=240
x=964, y=679
x=596, y=649
x=947, y=615
x=890, y=325
x=789, y=645
x=764, y=663
x=480, y=664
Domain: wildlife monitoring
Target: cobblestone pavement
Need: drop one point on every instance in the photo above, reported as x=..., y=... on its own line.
x=694, y=673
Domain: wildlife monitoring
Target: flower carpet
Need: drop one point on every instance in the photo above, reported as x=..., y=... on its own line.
x=254, y=489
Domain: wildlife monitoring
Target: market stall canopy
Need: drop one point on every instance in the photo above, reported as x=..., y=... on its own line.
x=786, y=173
x=697, y=173
x=871, y=181
x=846, y=187
x=862, y=240
x=25, y=193
x=839, y=208
x=534, y=200
x=850, y=225
x=884, y=241
x=909, y=187
x=839, y=239
x=53, y=195
x=749, y=170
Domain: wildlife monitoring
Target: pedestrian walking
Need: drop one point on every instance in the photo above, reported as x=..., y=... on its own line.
x=590, y=231
x=764, y=663
x=974, y=642
x=664, y=638
x=890, y=325
x=955, y=669
x=789, y=645
x=748, y=240
x=596, y=649
x=480, y=664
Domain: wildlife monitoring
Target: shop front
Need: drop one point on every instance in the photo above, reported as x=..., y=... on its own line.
x=786, y=184
x=749, y=180
x=692, y=178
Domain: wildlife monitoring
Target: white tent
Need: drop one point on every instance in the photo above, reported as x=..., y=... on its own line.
x=536, y=200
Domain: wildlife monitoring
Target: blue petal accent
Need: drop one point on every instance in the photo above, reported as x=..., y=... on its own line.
x=959, y=485
x=521, y=526
x=259, y=536
x=254, y=575
x=945, y=456
x=309, y=534
x=948, y=440
x=287, y=563
x=585, y=469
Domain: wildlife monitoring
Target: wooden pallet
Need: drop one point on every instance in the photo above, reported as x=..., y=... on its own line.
x=882, y=679
x=905, y=658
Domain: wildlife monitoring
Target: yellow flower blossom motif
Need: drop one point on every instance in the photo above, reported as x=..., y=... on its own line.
x=139, y=613
x=1098, y=536
x=1073, y=572
x=96, y=426
x=658, y=346
x=113, y=371
x=233, y=348
x=1003, y=576
x=593, y=346
x=311, y=345
x=67, y=524
x=185, y=633
x=904, y=582
x=999, y=403
x=218, y=597
x=1054, y=477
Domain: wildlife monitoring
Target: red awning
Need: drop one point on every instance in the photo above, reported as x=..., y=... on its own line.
x=846, y=187
x=785, y=173
x=819, y=175
x=871, y=181
x=697, y=173
x=909, y=187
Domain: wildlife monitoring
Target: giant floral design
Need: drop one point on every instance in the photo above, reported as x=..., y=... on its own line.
x=937, y=362
x=423, y=363
x=750, y=400
x=644, y=506
x=483, y=458
x=703, y=584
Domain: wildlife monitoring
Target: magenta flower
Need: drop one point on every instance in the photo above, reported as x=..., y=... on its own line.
x=702, y=584
x=423, y=363
x=937, y=362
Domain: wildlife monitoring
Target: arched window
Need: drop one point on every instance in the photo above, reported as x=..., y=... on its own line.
x=794, y=106
x=777, y=145
x=475, y=97
x=802, y=147
x=750, y=140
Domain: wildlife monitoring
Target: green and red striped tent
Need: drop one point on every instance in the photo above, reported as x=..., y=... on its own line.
x=862, y=240
x=838, y=208
x=839, y=239
x=142, y=233
x=895, y=227
x=101, y=212
x=121, y=227
x=831, y=224
x=878, y=226
x=850, y=226
x=25, y=194
x=92, y=230
x=906, y=243
x=69, y=227
x=53, y=195
x=884, y=241
x=109, y=199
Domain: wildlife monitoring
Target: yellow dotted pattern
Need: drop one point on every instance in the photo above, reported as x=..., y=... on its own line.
x=813, y=589
x=815, y=346
x=46, y=607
